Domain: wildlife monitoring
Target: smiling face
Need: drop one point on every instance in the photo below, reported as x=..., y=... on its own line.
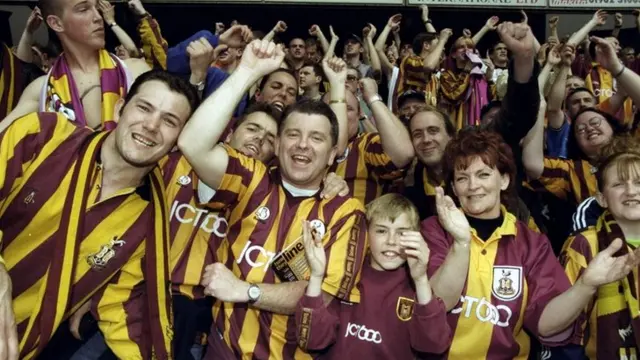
x=149, y=124
x=280, y=90
x=305, y=149
x=384, y=241
x=255, y=136
x=592, y=132
x=429, y=137
x=621, y=189
x=478, y=189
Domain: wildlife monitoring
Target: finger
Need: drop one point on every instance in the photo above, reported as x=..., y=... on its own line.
x=613, y=247
x=4, y=345
x=74, y=326
x=13, y=347
x=413, y=253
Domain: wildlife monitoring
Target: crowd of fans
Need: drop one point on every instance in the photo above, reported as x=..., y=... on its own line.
x=235, y=197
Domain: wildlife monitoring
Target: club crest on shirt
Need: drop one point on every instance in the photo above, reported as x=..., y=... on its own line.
x=30, y=198
x=99, y=260
x=507, y=282
x=343, y=157
x=263, y=213
x=404, y=308
x=184, y=180
x=318, y=227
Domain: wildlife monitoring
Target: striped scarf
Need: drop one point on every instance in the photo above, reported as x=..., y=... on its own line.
x=618, y=305
x=464, y=96
x=10, y=81
x=60, y=93
x=59, y=279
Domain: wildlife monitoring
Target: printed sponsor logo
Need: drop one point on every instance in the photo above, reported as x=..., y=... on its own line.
x=484, y=311
x=504, y=3
x=184, y=180
x=263, y=213
x=211, y=223
x=256, y=256
x=362, y=333
x=594, y=3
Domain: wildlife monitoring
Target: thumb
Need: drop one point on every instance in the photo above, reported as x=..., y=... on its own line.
x=613, y=248
x=74, y=326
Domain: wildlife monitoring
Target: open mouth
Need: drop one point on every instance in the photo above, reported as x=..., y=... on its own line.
x=631, y=202
x=390, y=255
x=476, y=197
x=301, y=159
x=593, y=135
x=278, y=105
x=143, y=140
x=252, y=149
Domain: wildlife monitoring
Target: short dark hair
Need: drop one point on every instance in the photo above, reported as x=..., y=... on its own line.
x=573, y=149
x=268, y=109
x=311, y=42
x=265, y=79
x=577, y=90
x=420, y=39
x=313, y=107
x=317, y=68
x=49, y=7
x=173, y=82
x=442, y=115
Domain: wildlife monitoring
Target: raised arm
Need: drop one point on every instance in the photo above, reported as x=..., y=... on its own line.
x=626, y=78
x=599, y=18
x=490, y=25
x=199, y=138
x=617, y=25
x=280, y=27
x=109, y=16
x=557, y=94
x=154, y=46
x=533, y=145
x=335, y=70
x=23, y=52
x=373, y=54
x=424, y=9
x=394, y=137
x=432, y=62
x=330, y=53
x=28, y=102
x=553, y=26
x=317, y=32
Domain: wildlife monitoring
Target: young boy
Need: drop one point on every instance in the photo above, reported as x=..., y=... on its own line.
x=398, y=316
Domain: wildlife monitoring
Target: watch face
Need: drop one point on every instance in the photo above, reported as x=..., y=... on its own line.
x=254, y=292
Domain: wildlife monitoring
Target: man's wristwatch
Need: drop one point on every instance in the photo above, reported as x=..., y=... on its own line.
x=113, y=24
x=200, y=86
x=254, y=293
x=374, y=99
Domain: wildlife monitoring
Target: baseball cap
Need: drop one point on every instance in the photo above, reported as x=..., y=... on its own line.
x=355, y=37
x=411, y=94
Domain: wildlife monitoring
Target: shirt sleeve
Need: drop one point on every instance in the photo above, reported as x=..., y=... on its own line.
x=177, y=58
x=575, y=257
x=23, y=141
x=439, y=243
x=555, y=178
x=120, y=310
x=243, y=175
x=377, y=160
x=345, y=247
x=545, y=279
x=154, y=45
x=558, y=139
x=429, y=330
x=316, y=326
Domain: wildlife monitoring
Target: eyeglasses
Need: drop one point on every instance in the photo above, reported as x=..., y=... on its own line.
x=594, y=122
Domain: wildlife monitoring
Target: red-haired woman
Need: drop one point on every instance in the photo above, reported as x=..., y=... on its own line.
x=497, y=277
x=610, y=325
